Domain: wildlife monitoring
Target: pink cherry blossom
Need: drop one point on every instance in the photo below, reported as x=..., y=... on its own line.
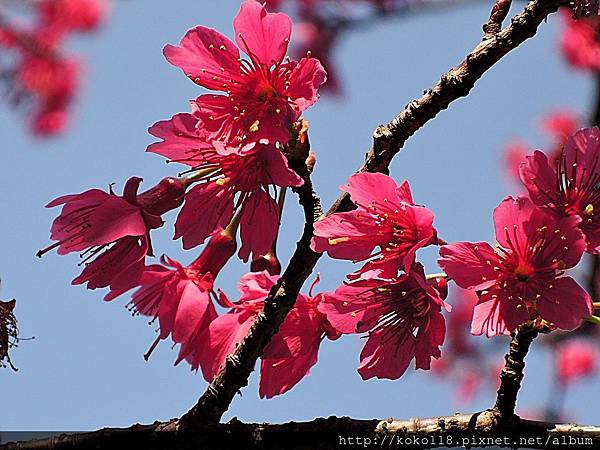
x=180, y=296
x=264, y=96
x=579, y=42
x=112, y=231
x=522, y=278
x=294, y=349
x=235, y=179
x=290, y=354
x=570, y=187
x=386, y=218
x=402, y=316
x=576, y=359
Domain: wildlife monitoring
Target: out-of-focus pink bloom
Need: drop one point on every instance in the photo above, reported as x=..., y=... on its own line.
x=571, y=187
x=402, y=317
x=179, y=296
x=458, y=342
x=576, y=359
x=112, y=230
x=272, y=5
x=43, y=76
x=514, y=155
x=235, y=179
x=386, y=218
x=265, y=95
x=68, y=15
x=52, y=84
x=522, y=278
x=468, y=384
x=559, y=125
x=290, y=354
x=316, y=37
x=579, y=42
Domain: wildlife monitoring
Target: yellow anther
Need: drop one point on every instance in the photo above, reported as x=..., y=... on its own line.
x=254, y=127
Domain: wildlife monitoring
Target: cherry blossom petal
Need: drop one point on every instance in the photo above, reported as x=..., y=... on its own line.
x=263, y=36
x=470, y=265
x=564, y=303
x=206, y=56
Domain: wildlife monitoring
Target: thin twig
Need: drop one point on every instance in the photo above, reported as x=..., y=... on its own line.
x=389, y=139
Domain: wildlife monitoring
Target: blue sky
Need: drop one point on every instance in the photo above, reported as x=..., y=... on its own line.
x=85, y=367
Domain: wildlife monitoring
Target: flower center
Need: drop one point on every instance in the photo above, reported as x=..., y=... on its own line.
x=523, y=273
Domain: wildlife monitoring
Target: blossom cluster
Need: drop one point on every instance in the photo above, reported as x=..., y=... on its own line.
x=236, y=143
x=40, y=73
x=539, y=237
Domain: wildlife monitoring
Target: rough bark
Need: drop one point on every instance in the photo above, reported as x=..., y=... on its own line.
x=334, y=433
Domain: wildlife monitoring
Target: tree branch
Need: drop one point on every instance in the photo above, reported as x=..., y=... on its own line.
x=334, y=433
x=389, y=139
x=512, y=373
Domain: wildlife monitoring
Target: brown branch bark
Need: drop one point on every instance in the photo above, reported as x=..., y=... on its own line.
x=512, y=373
x=389, y=139
x=477, y=429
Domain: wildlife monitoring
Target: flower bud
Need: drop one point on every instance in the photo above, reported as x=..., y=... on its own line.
x=167, y=195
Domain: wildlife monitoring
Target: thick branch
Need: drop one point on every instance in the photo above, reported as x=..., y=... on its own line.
x=334, y=433
x=389, y=139
x=512, y=373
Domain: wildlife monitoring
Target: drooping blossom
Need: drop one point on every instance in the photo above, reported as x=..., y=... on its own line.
x=401, y=316
x=522, y=278
x=294, y=349
x=290, y=354
x=571, y=187
x=576, y=359
x=9, y=336
x=180, y=296
x=112, y=232
x=233, y=180
x=386, y=218
x=579, y=42
x=263, y=96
